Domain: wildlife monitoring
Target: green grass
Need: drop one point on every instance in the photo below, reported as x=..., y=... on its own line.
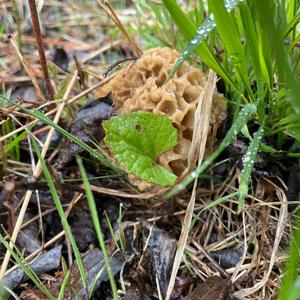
x=26, y=268
x=61, y=213
x=259, y=64
x=97, y=226
x=244, y=116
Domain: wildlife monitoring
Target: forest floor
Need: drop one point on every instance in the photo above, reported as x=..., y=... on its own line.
x=226, y=255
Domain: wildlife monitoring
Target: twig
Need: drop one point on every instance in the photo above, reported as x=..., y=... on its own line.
x=40, y=46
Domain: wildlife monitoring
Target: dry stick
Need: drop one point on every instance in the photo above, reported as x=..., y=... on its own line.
x=40, y=46
x=55, y=109
x=36, y=173
x=32, y=77
x=110, y=12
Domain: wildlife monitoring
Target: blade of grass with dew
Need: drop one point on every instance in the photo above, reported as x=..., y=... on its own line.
x=243, y=117
x=37, y=114
x=26, y=268
x=61, y=213
x=188, y=29
x=96, y=222
x=201, y=35
x=248, y=163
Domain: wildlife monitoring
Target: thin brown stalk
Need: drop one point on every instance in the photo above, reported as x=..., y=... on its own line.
x=40, y=47
x=110, y=12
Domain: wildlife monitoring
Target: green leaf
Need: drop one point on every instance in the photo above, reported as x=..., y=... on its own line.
x=137, y=140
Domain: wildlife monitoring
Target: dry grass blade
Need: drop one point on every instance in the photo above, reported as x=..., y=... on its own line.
x=108, y=9
x=279, y=233
x=118, y=193
x=32, y=77
x=202, y=125
x=36, y=173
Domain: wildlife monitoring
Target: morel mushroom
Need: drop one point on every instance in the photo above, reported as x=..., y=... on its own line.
x=140, y=87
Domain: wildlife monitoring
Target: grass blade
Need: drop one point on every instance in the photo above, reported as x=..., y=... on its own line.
x=212, y=204
x=248, y=163
x=26, y=268
x=189, y=30
x=63, y=286
x=61, y=213
x=96, y=222
x=290, y=278
x=230, y=36
x=15, y=142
